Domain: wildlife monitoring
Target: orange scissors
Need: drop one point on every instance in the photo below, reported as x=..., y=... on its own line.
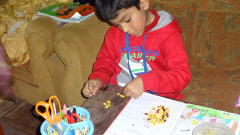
x=56, y=122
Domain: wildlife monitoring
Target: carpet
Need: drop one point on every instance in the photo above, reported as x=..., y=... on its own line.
x=211, y=34
x=222, y=36
x=186, y=14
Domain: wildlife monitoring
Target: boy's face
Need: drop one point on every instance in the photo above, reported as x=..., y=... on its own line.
x=134, y=21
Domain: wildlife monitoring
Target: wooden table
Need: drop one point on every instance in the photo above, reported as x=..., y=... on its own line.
x=103, y=117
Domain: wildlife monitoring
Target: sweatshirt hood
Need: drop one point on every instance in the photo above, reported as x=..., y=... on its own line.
x=166, y=23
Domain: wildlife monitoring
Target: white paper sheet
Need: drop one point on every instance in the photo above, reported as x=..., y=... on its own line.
x=131, y=120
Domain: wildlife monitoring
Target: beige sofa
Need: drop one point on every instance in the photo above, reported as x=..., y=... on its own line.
x=60, y=62
x=43, y=77
x=78, y=51
x=62, y=58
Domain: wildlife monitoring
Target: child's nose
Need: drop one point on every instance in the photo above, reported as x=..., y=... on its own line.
x=125, y=28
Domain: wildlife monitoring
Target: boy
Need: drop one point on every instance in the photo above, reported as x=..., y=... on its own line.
x=143, y=51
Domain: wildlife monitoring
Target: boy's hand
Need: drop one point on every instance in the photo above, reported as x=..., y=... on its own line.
x=134, y=88
x=91, y=87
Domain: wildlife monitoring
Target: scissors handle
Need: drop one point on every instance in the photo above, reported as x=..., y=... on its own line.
x=57, y=118
x=68, y=118
x=71, y=119
x=74, y=114
x=46, y=115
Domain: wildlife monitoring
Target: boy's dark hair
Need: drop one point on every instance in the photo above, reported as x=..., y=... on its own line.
x=108, y=9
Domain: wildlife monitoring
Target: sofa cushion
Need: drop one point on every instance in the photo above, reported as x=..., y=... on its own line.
x=25, y=67
x=24, y=73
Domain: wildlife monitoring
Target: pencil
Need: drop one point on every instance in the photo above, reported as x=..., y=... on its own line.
x=72, y=130
x=68, y=111
x=74, y=108
x=74, y=111
x=77, y=131
x=71, y=110
x=64, y=109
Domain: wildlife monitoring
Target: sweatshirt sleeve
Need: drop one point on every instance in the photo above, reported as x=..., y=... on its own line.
x=104, y=67
x=177, y=74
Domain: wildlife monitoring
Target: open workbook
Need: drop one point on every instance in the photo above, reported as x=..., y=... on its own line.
x=155, y=115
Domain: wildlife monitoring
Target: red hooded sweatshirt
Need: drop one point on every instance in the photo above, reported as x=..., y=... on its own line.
x=158, y=57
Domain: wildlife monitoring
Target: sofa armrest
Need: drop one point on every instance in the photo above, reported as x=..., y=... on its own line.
x=47, y=68
x=77, y=45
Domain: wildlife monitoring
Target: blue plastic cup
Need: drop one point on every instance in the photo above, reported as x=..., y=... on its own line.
x=67, y=127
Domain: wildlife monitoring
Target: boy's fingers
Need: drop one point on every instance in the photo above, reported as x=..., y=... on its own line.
x=132, y=96
x=91, y=86
x=97, y=86
x=86, y=89
x=136, y=96
x=126, y=92
x=86, y=93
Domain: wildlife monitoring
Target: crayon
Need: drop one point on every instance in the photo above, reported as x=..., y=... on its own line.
x=72, y=130
x=84, y=130
x=68, y=111
x=74, y=111
x=78, y=130
x=64, y=109
x=74, y=108
x=71, y=111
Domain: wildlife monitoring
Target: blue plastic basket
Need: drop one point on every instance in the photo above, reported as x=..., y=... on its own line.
x=67, y=127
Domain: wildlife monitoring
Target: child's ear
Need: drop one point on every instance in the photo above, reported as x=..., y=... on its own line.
x=144, y=4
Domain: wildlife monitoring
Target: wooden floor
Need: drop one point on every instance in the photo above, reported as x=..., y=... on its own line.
x=10, y=108
x=19, y=118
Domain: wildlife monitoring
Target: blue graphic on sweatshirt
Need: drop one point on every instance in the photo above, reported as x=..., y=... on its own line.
x=137, y=68
x=139, y=49
x=148, y=91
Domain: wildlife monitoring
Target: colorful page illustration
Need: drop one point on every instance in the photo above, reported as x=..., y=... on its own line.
x=147, y=115
x=194, y=115
x=68, y=12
